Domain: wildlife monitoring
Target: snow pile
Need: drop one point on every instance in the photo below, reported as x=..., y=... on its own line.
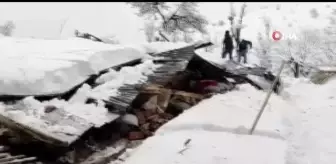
x=216, y=130
x=36, y=66
x=111, y=81
x=33, y=111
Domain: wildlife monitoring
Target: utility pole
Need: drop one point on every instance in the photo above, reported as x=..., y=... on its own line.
x=267, y=98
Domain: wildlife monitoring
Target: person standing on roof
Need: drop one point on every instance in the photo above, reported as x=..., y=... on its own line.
x=227, y=45
x=243, y=48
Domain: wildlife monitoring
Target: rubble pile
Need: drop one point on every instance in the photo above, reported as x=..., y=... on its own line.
x=157, y=105
x=135, y=113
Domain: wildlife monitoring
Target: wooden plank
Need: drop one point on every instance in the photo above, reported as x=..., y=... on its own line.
x=177, y=61
x=57, y=128
x=8, y=158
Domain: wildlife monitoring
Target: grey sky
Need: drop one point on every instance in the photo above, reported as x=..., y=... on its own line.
x=44, y=18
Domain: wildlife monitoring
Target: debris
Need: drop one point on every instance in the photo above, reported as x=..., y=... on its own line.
x=136, y=135
x=186, y=143
x=49, y=108
x=186, y=146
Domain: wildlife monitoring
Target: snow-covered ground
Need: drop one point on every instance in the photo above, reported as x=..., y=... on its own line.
x=217, y=129
x=296, y=128
x=312, y=136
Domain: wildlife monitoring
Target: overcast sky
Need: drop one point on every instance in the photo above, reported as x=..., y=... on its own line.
x=44, y=18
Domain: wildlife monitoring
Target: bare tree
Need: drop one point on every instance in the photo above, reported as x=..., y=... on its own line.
x=150, y=31
x=7, y=28
x=183, y=18
x=236, y=23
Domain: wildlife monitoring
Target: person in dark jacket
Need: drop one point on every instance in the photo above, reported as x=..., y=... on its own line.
x=243, y=48
x=227, y=45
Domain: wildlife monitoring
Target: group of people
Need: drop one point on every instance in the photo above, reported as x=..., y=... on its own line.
x=242, y=47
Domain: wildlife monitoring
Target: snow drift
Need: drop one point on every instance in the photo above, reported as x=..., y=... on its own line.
x=216, y=130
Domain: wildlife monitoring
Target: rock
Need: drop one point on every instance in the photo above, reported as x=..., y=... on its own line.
x=136, y=135
x=167, y=116
x=148, y=113
x=151, y=104
x=212, y=89
x=179, y=105
x=49, y=108
x=161, y=120
x=163, y=98
x=154, y=126
x=141, y=118
x=153, y=117
x=188, y=97
x=145, y=126
x=130, y=119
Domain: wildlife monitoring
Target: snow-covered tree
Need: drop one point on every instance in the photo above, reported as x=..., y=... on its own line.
x=313, y=48
x=182, y=17
x=7, y=28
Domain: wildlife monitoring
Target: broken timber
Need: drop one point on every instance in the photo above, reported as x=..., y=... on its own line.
x=8, y=158
x=73, y=126
x=173, y=62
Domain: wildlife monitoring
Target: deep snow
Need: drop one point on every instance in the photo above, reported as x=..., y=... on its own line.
x=297, y=125
x=31, y=112
x=36, y=66
x=208, y=147
x=307, y=120
x=217, y=128
x=311, y=139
